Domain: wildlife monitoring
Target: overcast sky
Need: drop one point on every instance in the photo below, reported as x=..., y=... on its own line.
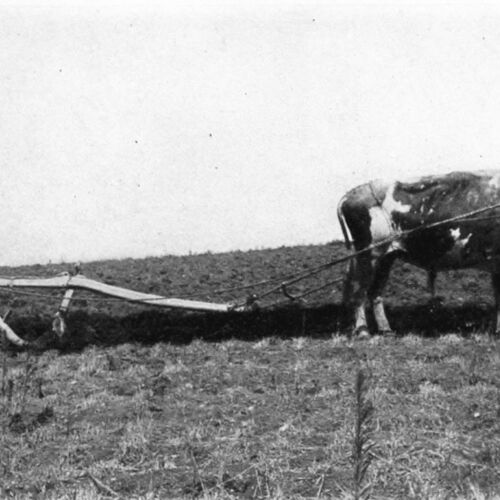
x=194, y=126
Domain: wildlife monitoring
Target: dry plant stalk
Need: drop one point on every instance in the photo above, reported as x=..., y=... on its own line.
x=3, y=347
x=197, y=479
x=363, y=442
x=4, y=373
x=29, y=370
x=101, y=486
x=10, y=393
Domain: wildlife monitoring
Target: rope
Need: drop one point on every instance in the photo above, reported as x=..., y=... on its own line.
x=246, y=287
x=29, y=277
x=51, y=295
x=369, y=248
x=302, y=295
x=15, y=291
x=319, y=288
x=475, y=219
x=312, y=291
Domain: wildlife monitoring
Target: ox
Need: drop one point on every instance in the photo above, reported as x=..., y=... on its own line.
x=390, y=220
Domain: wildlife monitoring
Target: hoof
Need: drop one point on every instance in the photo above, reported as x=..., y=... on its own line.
x=362, y=333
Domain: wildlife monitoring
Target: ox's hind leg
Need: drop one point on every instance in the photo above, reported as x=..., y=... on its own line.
x=434, y=300
x=356, y=285
x=348, y=288
x=381, y=276
x=495, y=279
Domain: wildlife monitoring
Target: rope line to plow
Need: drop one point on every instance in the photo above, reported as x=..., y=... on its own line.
x=52, y=295
x=296, y=277
x=385, y=241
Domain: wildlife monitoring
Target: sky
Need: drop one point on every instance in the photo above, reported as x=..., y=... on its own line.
x=140, y=129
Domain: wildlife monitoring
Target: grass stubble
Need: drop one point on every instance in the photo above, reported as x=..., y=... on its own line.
x=363, y=443
x=254, y=414
x=271, y=418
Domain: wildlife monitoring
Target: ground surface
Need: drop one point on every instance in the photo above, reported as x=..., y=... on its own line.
x=138, y=403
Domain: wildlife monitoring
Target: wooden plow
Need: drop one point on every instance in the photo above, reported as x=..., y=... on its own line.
x=70, y=282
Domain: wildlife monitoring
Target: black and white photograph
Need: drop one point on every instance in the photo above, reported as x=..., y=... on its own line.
x=250, y=250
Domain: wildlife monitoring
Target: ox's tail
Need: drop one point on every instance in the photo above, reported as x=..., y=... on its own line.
x=347, y=290
x=343, y=225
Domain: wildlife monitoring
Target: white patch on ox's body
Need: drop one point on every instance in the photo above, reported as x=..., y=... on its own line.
x=380, y=226
x=494, y=182
x=457, y=236
x=382, y=222
x=493, y=187
x=396, y=246
x=391, y=205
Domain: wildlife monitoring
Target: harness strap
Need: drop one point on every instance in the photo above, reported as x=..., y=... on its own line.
x=375, y=197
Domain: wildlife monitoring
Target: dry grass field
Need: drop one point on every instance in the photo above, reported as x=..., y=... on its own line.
x=144, y=404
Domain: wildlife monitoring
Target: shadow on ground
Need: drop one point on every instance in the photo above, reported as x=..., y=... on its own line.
x=150, y=326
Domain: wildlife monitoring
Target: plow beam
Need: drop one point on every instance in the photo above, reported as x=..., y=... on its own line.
x=80, y=282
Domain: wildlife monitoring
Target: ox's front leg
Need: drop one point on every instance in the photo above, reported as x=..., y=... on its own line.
x=495, y=279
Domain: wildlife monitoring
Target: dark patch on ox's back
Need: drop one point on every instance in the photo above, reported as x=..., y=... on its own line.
x=439, y=193
x=434, y=199
x=424, y=246
x=422, y=185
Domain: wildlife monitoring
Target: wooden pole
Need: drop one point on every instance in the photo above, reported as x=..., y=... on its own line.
x=81, y=282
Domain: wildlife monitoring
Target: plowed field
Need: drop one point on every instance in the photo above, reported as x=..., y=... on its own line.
x=467, y=298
